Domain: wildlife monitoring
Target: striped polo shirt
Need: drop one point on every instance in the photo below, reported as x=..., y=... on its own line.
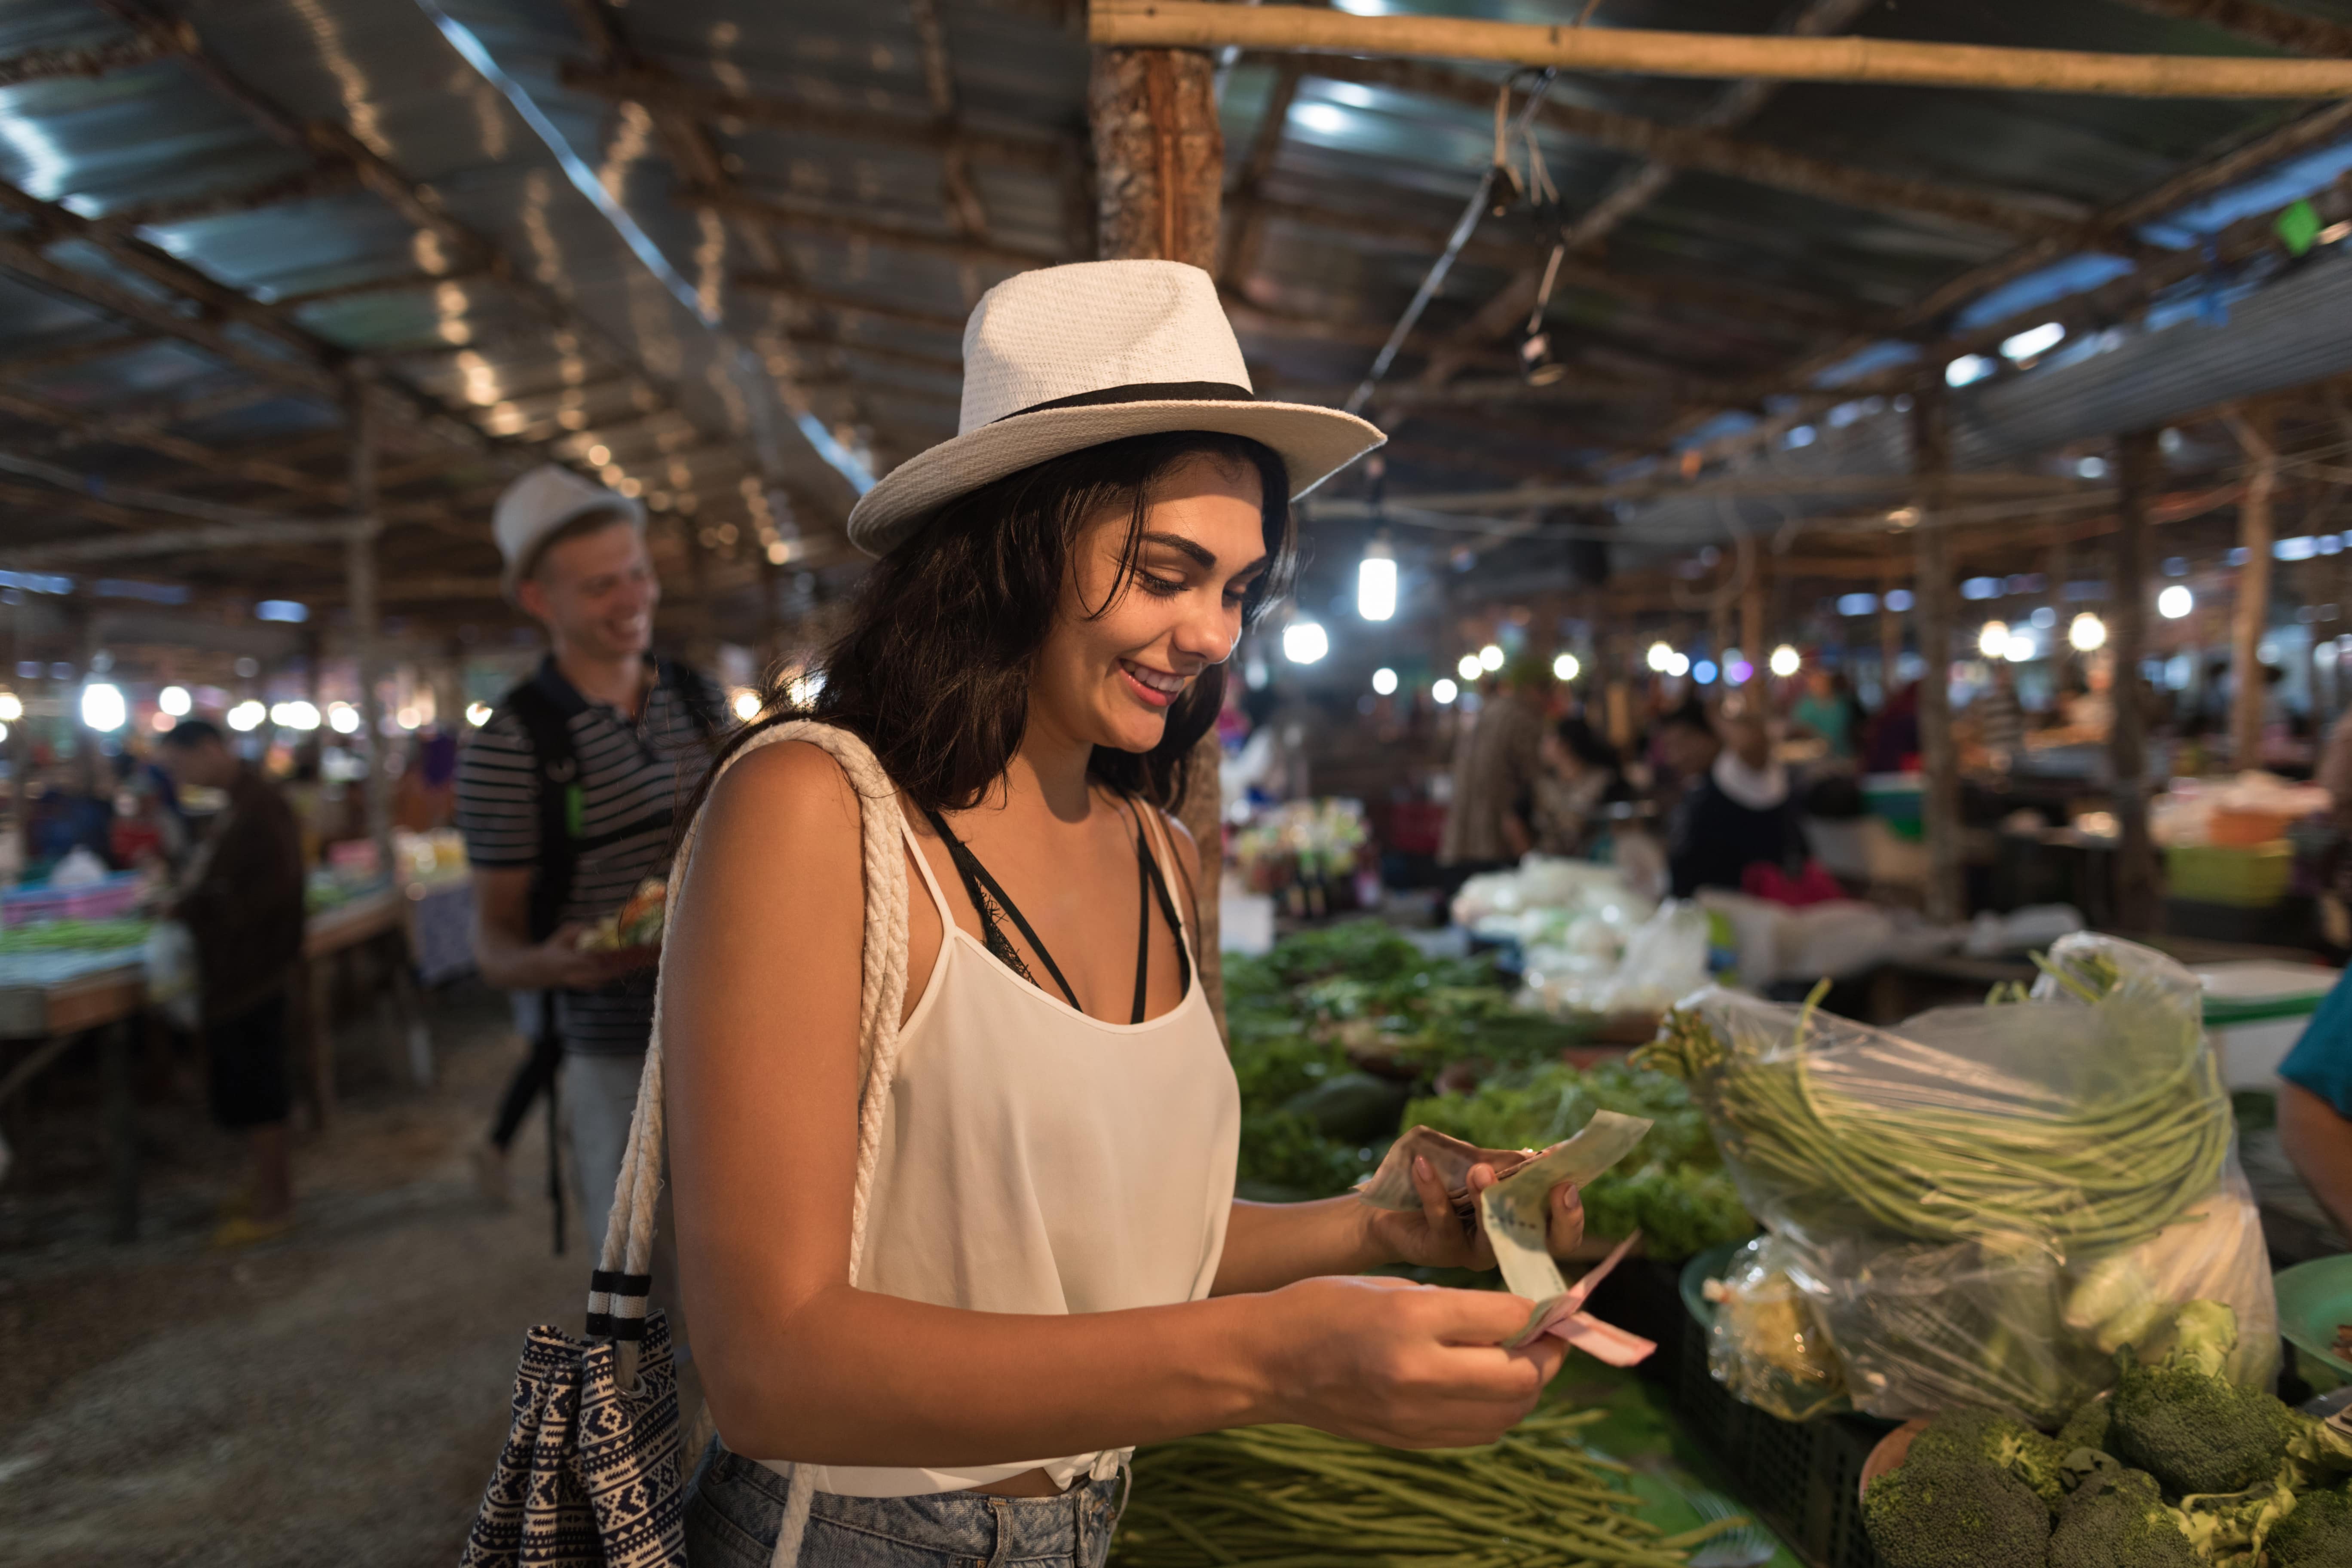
x=635, y=775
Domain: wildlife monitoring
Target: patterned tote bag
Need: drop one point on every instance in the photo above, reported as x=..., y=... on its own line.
x=592, y=1475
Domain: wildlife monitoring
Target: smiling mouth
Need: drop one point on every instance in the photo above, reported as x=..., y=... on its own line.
x=1157, y=686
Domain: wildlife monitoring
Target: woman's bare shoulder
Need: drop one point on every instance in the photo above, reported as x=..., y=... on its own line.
x=791, y=792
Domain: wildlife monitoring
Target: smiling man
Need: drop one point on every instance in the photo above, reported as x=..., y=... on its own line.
x=566, y=798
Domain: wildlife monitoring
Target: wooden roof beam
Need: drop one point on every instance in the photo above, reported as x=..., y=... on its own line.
x=302, y=186
x=1711, y=151
x=799, y=217
x=1741, y=302
x=1189, y=25
x=847, y=304
x=145, y=44
x=1042, y=155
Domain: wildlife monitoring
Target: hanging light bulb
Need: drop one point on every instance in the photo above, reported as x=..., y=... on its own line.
x=1566, y=668
x=1786, y=661
x=2088, y=632
x=1993, y=641
x=1376, y=582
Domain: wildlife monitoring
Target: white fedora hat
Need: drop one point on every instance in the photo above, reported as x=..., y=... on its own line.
x=1065, y=358
x=543, y=501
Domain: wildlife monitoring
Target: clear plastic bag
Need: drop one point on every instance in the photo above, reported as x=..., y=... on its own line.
x=1766, y=1345
x=1982, y=1204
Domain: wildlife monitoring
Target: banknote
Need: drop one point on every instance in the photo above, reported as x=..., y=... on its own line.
x=1390, y=1186
x=1517, y=1215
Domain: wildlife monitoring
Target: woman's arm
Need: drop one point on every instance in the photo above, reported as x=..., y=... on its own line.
x=759, y=1025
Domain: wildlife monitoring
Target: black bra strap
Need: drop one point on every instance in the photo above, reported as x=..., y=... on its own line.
x=1175, y=926
x=1142, y=916
x=986, y=898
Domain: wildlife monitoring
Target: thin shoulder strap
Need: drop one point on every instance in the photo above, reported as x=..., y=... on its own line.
x=985, y=890
x=1167, y=903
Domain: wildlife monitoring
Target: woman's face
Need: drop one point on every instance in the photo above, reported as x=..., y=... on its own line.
x=1109, y=680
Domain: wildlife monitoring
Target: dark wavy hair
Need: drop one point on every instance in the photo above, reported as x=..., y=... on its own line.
x=933, y=672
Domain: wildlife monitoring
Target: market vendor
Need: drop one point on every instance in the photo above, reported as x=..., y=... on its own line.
x=1738, y=815
x=2315, y=1105
x=943, y=1347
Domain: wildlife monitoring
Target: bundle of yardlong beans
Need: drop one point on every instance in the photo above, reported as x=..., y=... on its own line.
x=2105, y=1171
x=1290, y=1496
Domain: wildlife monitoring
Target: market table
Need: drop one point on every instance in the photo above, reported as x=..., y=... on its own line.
x=66, y=995
x=375, y=917
x=1901, y=987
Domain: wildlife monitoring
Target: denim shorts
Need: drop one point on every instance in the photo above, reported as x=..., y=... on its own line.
x=733, y=1506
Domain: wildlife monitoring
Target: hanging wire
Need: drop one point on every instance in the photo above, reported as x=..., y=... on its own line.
x=1455, y=242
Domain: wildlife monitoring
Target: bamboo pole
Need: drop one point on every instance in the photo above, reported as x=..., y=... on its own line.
x=1931, y=464
x=2249, y=692
x=1160, y=158
x=367, y=652
x=2138, y=903
x=1189, y=25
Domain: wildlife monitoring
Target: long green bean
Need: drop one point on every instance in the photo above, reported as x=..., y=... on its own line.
x=1289, y=1497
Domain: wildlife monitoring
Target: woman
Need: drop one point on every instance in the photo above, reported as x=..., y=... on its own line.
x=1053, y=1263
x=1582, y=774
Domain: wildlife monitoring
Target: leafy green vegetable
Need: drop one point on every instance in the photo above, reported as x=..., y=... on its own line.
x=1680, y=1198
x=51, y=936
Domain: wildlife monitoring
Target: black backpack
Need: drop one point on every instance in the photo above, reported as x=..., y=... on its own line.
x=560, y=797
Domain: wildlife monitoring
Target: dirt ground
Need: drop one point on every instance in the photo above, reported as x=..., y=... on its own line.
x=332, y=1399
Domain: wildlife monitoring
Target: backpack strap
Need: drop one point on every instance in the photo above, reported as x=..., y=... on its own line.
x=559, y=799
x=693, y=694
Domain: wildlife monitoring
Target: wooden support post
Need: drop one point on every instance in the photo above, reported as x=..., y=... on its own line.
x=367, y=651
x=2249, y=692
x=1160, y=162
x=2138, y=905
x=1890, y=630
x=1751, y=624
x=1931, y=469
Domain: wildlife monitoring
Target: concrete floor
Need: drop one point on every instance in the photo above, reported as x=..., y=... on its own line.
x=333, y=1399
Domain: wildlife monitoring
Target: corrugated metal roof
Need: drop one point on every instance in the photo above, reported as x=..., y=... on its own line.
x=786, y=159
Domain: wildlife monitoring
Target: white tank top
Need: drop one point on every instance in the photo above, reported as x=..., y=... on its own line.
x=1034, y=1159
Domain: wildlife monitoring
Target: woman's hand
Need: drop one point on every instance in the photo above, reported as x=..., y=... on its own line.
x=1432, y=1236
x=1408, y=1366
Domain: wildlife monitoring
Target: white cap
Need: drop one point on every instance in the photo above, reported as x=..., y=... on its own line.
x=543, y=501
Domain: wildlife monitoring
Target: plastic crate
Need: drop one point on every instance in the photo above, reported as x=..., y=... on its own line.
x=2247, y=878
x=1803, y=1477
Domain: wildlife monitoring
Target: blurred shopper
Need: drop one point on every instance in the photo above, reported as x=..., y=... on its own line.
x=1581, y=775
x=1826, y=711
x=2314, y=1104
x=1738, y=815
x=1895, y=733
x=240, y=896
x=566, y=797
x=1496, y=762
x=1999, y=716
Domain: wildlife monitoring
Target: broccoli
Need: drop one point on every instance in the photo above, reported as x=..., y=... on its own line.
x=1943, y=1511
x=2087, y=1428
x=2316, y=1453
x=2317, y=1534
x=2186, y=1424
x=2119, y=1521
x=2002, y=1440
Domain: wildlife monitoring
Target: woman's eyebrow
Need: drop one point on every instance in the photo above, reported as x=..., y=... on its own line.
x=1204, y=558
